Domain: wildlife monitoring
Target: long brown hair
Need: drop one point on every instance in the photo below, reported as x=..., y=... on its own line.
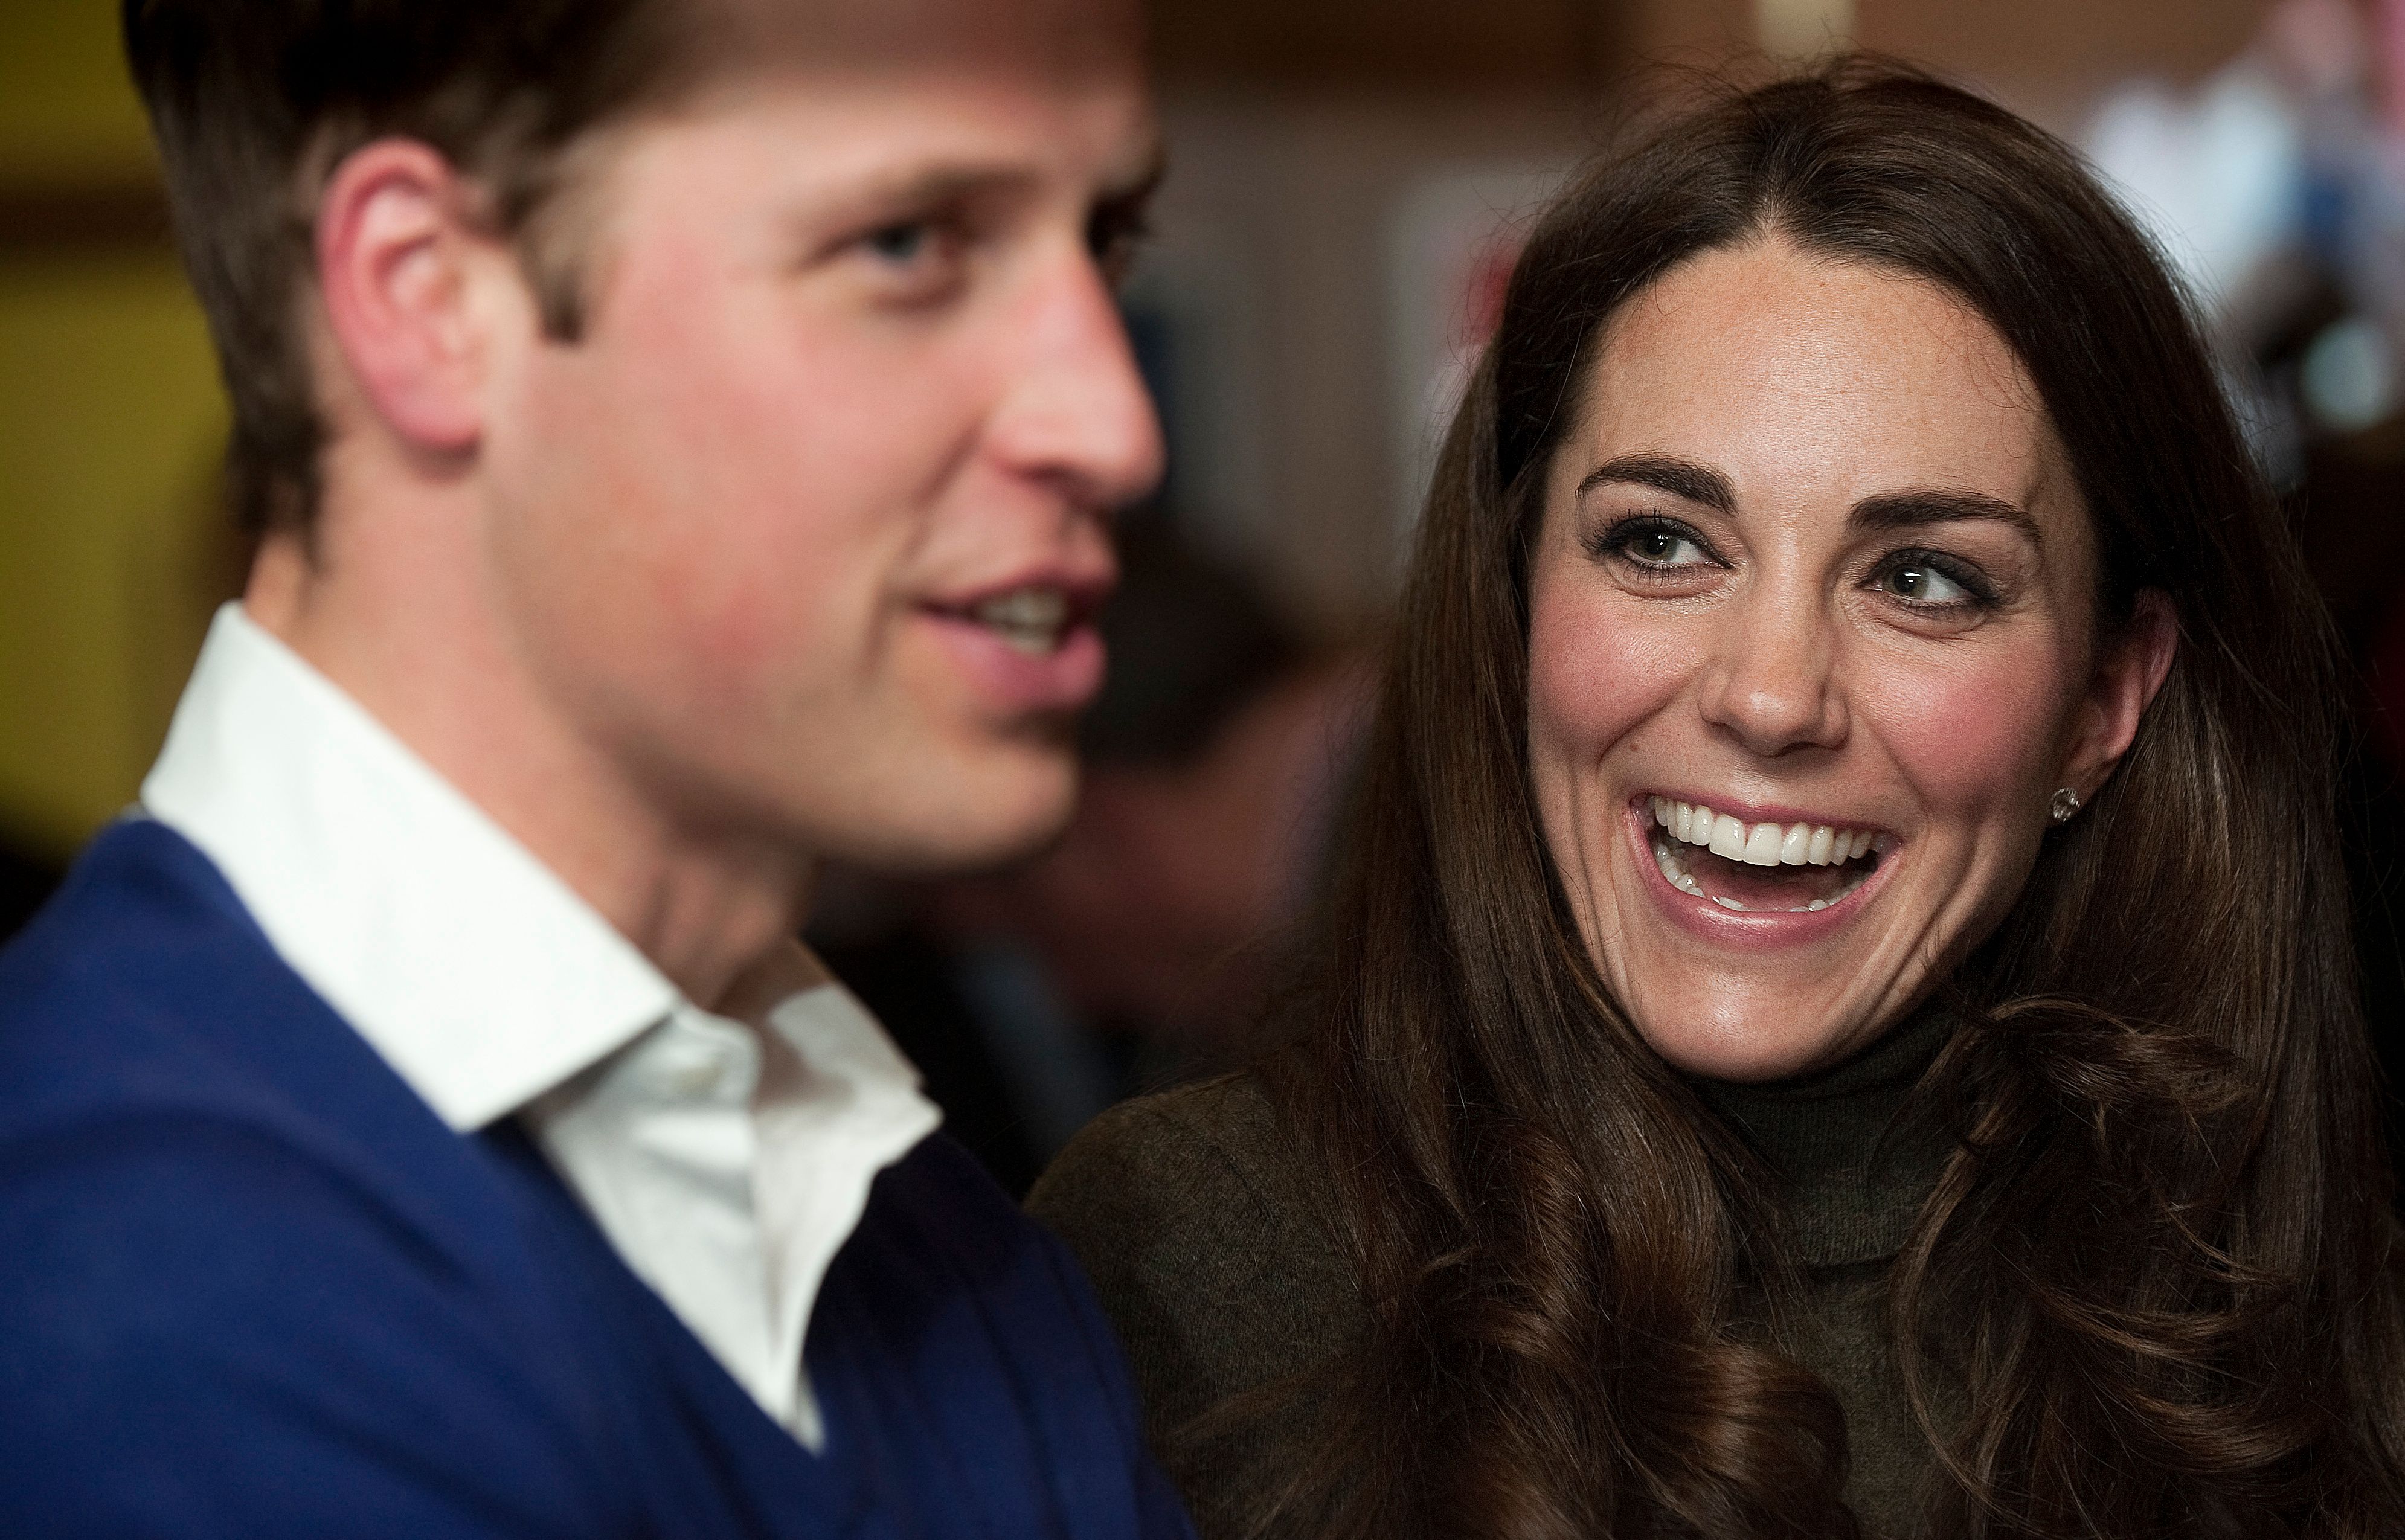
x=2156, y=1280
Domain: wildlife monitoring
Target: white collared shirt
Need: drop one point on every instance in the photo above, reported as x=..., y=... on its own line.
x=726, y=1160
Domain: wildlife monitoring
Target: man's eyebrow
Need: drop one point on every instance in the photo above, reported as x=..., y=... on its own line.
x=950, y=182
x=1913, y=509
x=1683, y=479
x=1137, y=186
x=935, y=185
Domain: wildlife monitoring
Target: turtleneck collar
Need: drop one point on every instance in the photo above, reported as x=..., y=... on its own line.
x=1852, y=1193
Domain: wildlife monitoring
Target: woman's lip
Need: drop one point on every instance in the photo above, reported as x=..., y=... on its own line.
x=1751, y=816
x=1709, y=921
x=1017, y=683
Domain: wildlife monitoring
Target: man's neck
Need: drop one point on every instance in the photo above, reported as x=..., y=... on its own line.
x=423, y=658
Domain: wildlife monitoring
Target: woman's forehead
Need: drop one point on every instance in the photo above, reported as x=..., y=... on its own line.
x=1797, y=377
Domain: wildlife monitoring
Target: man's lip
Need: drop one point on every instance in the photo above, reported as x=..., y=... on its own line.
x=1013, y=683
x=1085, y=588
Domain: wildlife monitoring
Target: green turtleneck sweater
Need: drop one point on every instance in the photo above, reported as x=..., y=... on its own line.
x=1207, y=1243
x=1854, y=1187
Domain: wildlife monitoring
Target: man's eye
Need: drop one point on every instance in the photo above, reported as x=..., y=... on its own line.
x=915, y=262
x=1114, y=236
x=902, y=244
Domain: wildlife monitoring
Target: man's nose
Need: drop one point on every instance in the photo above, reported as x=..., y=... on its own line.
x=1772, y=682
x=1078, y=414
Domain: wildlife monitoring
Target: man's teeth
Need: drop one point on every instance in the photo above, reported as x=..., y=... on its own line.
x=1028, y=618
x=1762, y=844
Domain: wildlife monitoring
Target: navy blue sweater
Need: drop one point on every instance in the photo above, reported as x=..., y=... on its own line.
x=250, y=1285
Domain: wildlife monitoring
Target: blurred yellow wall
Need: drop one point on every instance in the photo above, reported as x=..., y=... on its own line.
x=111, y=421
x=66, y=110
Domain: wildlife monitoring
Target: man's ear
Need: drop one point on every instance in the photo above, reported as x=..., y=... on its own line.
x=400, y=256
x=2128, y=673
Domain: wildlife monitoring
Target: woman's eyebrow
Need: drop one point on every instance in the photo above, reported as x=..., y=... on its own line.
x=1911, y=510
x=1683, y=479
x=1703, y=485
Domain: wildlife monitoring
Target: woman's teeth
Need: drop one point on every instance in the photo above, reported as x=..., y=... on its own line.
x=1030, y=620
x=1763, y=844
x=1758, y=845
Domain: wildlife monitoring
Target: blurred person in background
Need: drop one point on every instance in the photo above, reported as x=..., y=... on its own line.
x=1837, y=1013
x=1132, y=954
x=2276, y=187
x=681, y=437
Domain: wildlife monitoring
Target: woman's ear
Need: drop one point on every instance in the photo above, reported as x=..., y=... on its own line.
x=399, y=260
x=2128, y=673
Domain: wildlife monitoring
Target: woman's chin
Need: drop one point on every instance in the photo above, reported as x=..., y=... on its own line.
x=1757, y=1040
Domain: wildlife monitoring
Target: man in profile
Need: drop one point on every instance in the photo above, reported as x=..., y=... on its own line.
x=682, y=436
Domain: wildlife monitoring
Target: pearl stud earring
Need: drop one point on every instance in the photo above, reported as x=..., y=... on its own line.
x=2064, y=807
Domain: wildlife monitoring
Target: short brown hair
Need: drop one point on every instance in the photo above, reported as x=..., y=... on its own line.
x=255, y=102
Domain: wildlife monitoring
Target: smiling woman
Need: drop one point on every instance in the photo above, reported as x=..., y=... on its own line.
x=1832, y=1020
x=1828, y=571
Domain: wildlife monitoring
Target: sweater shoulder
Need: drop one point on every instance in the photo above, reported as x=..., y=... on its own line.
x=1209, y=1242
x=1197, y=1189
x=1222, y=1132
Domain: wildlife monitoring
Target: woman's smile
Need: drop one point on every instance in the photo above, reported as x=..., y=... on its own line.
x=1759, y=865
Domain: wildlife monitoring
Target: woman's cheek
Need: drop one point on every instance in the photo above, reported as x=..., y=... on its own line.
x=1974, y=737
x=1597, y=670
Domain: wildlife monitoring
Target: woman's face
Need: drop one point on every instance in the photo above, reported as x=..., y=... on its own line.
x=1812, y=560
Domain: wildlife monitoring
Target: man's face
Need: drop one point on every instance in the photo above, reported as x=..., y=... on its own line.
x=804, y=533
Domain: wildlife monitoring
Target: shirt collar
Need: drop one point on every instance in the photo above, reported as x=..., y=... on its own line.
x=481, y=978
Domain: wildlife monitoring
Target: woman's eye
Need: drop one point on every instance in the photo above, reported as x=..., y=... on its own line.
x=1928, y=582
x=1660, y=546
x=1925, y=585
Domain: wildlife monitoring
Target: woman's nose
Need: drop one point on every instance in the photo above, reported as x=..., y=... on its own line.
x=1772, y=684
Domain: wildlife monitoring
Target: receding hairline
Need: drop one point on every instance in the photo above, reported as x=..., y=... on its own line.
x=1067, y=38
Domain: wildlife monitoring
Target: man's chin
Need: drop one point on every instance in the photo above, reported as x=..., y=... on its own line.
x=981, y=823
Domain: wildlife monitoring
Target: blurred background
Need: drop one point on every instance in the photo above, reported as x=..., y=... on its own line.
x=1349, y=179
